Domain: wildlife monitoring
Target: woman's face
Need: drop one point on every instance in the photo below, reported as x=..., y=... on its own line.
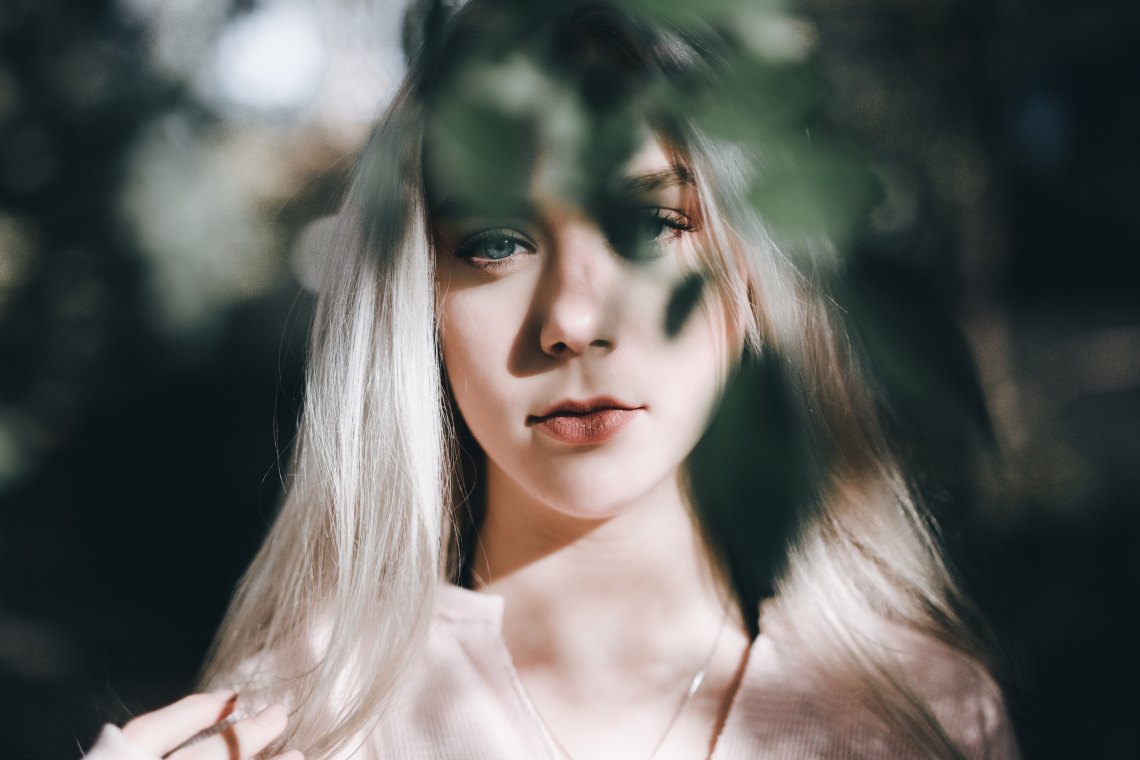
x=560, y=352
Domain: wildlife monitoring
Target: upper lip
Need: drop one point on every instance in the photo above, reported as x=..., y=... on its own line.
x=575, y=407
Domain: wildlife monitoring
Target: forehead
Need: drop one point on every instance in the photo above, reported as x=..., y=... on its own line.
x=651, y=157
x=552, y=179
x=651, y=167
x=541, y=121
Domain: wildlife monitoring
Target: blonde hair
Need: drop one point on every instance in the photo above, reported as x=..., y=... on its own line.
x=337, y=601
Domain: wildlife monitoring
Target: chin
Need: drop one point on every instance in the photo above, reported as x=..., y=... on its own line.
x=598, y=495
x=591, y=513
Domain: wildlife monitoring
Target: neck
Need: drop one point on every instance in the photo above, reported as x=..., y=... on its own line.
x=610, y=621
x=632, y=590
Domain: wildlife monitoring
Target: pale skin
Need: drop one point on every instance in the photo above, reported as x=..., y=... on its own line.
x=611, y=602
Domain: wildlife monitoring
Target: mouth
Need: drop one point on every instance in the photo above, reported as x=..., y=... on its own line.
x=588, y=422
x=573, y=408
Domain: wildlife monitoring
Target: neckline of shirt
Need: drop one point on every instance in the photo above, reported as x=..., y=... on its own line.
x=466, y=605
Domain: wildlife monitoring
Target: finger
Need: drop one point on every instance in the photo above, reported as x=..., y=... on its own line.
x=162, y=730
x=243, y=739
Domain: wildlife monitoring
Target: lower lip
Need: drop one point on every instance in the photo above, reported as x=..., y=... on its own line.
x=585, y=429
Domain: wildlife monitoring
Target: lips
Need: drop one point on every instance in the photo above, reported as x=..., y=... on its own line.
x=589, y=422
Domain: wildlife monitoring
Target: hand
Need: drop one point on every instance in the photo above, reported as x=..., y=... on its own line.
x=165, y=730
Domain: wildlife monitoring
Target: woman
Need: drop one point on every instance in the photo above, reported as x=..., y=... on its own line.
x=508, y=534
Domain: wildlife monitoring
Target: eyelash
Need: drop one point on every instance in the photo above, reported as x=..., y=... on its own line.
x=468, y=248
x=676, y=222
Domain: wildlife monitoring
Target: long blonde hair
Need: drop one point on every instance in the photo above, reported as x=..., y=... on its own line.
x=337, y=601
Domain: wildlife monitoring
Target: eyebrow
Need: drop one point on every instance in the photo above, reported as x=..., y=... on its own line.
x=650, y=182
x=453, y=208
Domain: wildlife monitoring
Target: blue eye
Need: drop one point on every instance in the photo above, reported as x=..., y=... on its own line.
x=497, y=248
x=493, y=246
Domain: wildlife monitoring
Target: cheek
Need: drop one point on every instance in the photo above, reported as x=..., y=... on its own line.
x=697, y=323
x=475, y=341
x=700, y=356
x=461, y=347
x=695, y=368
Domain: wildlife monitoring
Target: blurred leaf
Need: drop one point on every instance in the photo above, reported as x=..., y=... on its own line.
x=758, y=104
x=686, y=14
x=818, y=192
x=479, y=153
x=682, y=301
x=754, y=474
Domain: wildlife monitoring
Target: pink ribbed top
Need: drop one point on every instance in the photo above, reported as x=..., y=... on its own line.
x=465, y=701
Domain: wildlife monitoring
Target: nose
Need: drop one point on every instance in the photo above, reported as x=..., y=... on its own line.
x=576, y=302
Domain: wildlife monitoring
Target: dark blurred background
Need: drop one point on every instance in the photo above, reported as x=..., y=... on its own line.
x=163, y=163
